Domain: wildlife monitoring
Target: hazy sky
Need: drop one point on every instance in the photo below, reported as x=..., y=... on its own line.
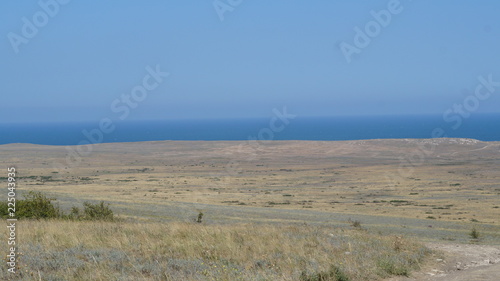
x=233, y=58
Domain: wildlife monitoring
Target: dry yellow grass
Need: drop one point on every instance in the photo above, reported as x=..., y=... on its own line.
x=84, y=250
x=441, y=195
x=457, y=182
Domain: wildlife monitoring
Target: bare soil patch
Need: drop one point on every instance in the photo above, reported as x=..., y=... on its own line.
x=460, y=262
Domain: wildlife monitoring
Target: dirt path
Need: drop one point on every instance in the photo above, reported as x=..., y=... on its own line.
x=461, y=262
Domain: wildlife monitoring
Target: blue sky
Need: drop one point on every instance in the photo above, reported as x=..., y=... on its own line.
x=263, y=55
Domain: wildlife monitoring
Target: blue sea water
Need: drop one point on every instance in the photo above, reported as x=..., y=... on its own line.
x=483, y=127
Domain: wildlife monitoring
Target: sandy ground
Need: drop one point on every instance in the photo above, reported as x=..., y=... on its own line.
x=461, y=262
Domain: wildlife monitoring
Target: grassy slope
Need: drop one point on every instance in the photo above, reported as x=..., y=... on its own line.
x=65, y=250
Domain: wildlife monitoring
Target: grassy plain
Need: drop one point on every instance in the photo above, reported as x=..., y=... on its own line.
x=436, y=190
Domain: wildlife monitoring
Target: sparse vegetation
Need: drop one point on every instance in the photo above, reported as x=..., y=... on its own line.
x=355, y=224
x=272, y=203
x=391, y=266
x=75, y=248
x=474, y=234
x=100, y=250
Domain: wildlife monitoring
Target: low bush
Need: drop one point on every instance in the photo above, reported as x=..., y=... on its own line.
x=199, y=219
x=37, y=205
x=99, y=211
x=474, y=234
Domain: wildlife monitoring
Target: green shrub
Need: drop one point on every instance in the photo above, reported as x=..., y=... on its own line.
x=98, y=211
x=4, y=209
x=474, y=234
x=199, y=219
x=35, y=205
x=74, y=214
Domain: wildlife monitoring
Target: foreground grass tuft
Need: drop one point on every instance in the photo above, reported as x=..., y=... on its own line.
x=334, y=274
x=101, y=250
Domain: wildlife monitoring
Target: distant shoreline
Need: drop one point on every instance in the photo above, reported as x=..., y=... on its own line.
x=463, y=141
x=483, y=127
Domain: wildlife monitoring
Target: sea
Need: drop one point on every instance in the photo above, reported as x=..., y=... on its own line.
x=484, y=127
